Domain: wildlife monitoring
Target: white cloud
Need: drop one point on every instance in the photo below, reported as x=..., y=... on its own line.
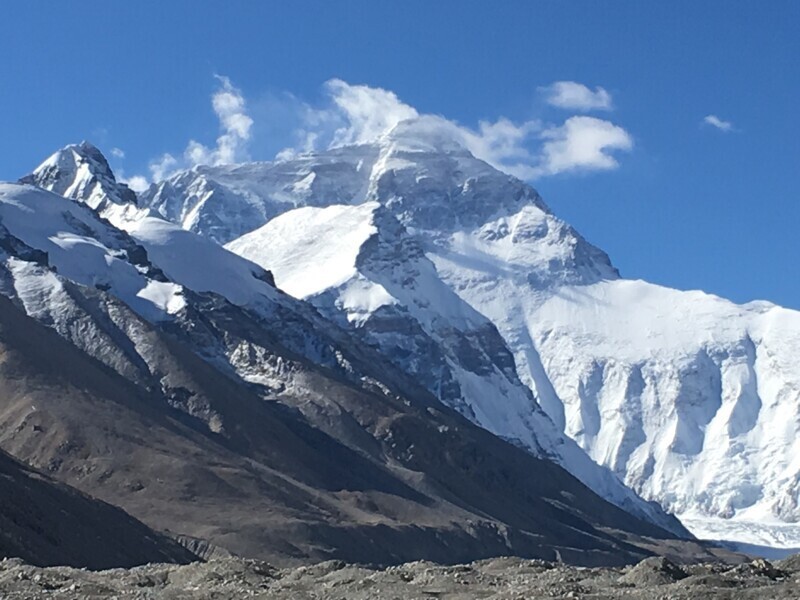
x=160, y=168
x=576, y=96
x=356, y=114
x=163, y=167
x=582, y=144
x=235, y=130
x=527, y=149
x=117, y=153
x=137, y=183
x=715, y=121
x=504, y=145
x=235, y=124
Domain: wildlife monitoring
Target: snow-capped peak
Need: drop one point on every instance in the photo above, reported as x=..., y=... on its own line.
x=690, y=399
x=83, y=248
x=80, y=171
x=674, y=391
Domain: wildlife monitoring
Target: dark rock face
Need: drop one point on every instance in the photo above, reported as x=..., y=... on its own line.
x=48, y=523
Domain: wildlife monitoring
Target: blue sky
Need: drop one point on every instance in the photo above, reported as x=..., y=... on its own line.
x=682, y=202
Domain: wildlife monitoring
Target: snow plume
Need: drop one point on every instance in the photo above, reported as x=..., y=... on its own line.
x=350, y=114
x=235, y=130
x=235, y=125
x=358, y=114
x=354, y=114
x=368, y=112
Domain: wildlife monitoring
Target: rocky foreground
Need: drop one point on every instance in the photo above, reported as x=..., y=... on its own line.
x=653, y=578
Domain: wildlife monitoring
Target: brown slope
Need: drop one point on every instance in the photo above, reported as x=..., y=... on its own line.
x=48, y=523
x=67, y=414
x=411, y=482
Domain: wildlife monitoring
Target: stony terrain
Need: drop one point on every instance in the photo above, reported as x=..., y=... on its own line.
x=654, y=578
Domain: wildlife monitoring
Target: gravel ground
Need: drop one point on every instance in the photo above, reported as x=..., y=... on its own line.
x=506, y=578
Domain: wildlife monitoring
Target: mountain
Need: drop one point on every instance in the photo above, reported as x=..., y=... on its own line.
x=439, y=342
x=82, y=172
x=690, y=399
x=255, y=424
x=359, y=266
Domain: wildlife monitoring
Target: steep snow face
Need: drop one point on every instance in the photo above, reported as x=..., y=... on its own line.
x=350, y=249
x=690, y=399
x=80, y=171
x=87, y=250
x=312, y=250
x=359, y=266
x=199, y=263
x=225, y=202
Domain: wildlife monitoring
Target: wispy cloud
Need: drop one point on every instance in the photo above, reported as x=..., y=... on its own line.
x=356, y=114
x=235, y=125
x=164, y=166
x=527, y=149
x=715, y=121
x=572, y=95
x=230, y=107
x=137, y=183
